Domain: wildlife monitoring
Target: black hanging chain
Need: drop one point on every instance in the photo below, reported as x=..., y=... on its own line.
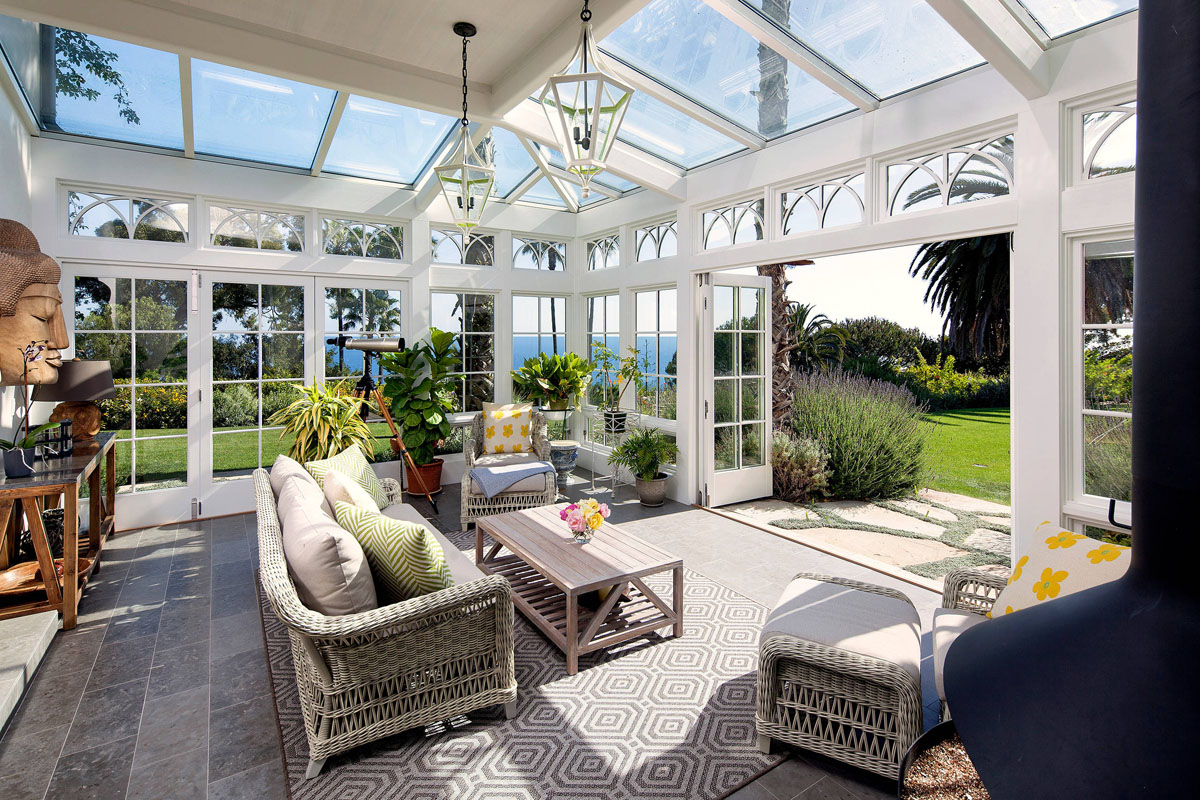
x=465, y=121
x=586, y=14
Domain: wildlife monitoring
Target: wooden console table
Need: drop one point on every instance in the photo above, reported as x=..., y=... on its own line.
x=50, y=479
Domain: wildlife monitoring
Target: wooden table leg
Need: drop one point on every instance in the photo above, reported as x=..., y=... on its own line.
x=41, y=546
x=95, y=518
x=8, y=535
x=677, y=599
x=70, y=606
x=478, y=544
x=572, y=633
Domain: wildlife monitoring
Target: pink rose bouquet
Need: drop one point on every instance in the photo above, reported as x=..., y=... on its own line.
x=585, y=518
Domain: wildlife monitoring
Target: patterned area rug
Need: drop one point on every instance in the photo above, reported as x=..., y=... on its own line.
x=654, y=718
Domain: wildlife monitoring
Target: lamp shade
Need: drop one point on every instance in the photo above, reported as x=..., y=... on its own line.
x=79, y=381
x=466, y=181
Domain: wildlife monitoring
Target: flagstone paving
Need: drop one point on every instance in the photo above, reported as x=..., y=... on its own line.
x=865, y=513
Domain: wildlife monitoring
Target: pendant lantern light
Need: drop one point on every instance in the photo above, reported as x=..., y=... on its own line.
x=465, y=178
x=585, y=106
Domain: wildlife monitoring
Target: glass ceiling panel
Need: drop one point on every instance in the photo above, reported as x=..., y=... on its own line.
x=386, y=141
x=543, y=192
x=151, y=111
x=657, y=128
x=887, y=46
x=688, y=46
x=512, y=160
x=614, y=182
x=1060, y=17
x=256, y=117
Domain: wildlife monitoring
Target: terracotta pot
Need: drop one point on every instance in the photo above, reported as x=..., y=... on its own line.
x=652, y=493
x=429, y=476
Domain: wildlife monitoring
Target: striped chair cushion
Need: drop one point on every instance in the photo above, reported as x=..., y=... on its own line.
x=406, y=559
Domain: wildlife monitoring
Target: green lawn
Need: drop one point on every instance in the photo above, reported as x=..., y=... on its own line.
x=969, y=453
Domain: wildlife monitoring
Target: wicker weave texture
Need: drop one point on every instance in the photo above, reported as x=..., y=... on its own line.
x=363, y=677
x=970, y=589
x=475, y=506
x=859, y=710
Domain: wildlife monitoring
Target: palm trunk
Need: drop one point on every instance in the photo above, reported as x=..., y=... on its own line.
x=782, y=341
x=773, y=73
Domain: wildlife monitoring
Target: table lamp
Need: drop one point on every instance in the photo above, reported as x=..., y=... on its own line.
x=80, y=384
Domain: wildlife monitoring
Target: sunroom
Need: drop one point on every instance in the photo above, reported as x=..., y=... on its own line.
x=627, y=398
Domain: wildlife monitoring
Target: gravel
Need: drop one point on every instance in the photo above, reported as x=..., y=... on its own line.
x=944, y=772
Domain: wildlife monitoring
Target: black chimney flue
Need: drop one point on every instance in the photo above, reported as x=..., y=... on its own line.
x=1095, y=694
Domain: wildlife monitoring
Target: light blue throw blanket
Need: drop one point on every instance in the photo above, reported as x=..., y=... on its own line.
x=494, y=480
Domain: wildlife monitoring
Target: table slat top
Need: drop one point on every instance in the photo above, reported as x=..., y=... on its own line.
x=539, y=537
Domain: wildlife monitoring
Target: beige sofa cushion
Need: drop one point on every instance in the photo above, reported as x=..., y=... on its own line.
x=948, y=623
x=534, y=483
x=861, y=622
x=462, y=568
x=285, y=468
x=339, y=488
x=327, y=564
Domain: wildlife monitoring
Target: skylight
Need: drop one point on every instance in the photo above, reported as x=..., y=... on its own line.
x=1060, y=17
x=385, y=141
x=688, y=46
x=543, y=192
x=256, y=117
x=513, y=162
x=887, y=46
x=657, y=128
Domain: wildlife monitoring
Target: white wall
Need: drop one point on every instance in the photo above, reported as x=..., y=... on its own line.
x=16, y=176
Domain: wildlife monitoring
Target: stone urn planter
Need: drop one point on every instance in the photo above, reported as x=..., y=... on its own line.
x=564, y=453
x=652, y=493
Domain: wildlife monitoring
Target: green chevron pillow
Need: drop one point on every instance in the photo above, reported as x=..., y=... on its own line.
x=353, y=464
x=406, y=559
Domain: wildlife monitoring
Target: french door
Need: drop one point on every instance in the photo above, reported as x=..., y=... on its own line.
x=735, y=388
x=201, y=360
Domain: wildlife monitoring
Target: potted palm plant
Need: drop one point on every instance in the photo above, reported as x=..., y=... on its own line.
x=552, y=380
x=420, y=390
x=325, y=421
x=643, y=453
x=618, y=374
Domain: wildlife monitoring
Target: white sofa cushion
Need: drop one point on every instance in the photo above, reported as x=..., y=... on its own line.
x=534, y=483
x=849, y=619
x=327, y=564
x=284, y=468
x=948, y=623
x=340, y=488
x=462, y=568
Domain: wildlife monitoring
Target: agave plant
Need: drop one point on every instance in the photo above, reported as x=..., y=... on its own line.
x=325, y=421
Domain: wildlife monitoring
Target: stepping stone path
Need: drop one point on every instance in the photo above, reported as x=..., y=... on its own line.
x=866, y=513
x=992, y=541
x=932, y=512
x=961, y=502
x=899, y=551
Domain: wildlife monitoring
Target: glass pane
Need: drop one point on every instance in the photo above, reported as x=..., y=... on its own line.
x=149, y=111
x=478, y=390
x=1118, y=153
x=277, y=396
x=1108, y=457
x=666, y=310
x=723, y=308
x=752, y=445
x=667, y=398
x=161, y=357
x=116, y=348
x=648, y=354
x=480, y=354
x=1058, y=18
x=283, y=355
x=235, y=356
x=235, y=306
x=752, y=408
x=161, y=305
x=612, y=313
x=1107, y=285
x=523, y=348
x=1108, y=370
x=235, y=406
x=512, y=161
x=692, y=48
x=384, y=310
x=102, y=219
x=235, y=455
x=667, y=352
x=275, y=443
x=243, y=114
x=385, y=141
x=725, y=401
x=525, y=313
x=554, y=314
x=751, y=354
x=446, y=312
x=647, y=311
x=659, y=129
x=160, y=409
x=161, y=463
x=283, y=308
x=102, y=304
x=751, y=309
x=647, y=397
x=723, y=344
x=888, y=46
x=480, y=251
x=480, y=313
x=447, y=247
x=343, y=309
x=725, y=447
x=543, y=192
x=118, y=412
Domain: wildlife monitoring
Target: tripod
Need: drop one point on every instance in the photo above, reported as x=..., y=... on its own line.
x=366, y=389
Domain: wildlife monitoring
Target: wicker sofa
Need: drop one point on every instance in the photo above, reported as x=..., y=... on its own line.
x=366, y=676
x=540, y=490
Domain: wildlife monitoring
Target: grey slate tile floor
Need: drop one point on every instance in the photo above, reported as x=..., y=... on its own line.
x=162, y=690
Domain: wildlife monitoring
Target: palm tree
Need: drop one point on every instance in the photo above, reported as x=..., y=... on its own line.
x=819, y=343
x=968, y=285
x=772, y=93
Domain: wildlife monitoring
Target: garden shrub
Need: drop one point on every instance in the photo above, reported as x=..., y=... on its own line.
x=878, y=342
x=872, y=431
x=799, y=467
x=235, y=406
x=938, y=386
x=158, y=407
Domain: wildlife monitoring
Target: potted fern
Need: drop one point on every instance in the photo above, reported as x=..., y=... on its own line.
x=643, y=452
x=325, y=421
x=552, y=380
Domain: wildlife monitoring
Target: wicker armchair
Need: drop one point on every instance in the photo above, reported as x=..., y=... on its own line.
x=974, y=590
x=363, y=677
x=476, y=505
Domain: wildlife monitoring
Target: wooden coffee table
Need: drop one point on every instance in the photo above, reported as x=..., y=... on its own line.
x=549, y=571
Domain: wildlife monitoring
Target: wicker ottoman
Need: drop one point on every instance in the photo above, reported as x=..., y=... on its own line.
x=839, y=672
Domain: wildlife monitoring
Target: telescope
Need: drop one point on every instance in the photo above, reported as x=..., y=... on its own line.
x=372, y=344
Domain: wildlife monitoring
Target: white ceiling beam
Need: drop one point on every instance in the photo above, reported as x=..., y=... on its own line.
x=427, y=189
x=989, y=27
x=213, y=37
x=685, y=105
x=544, y=167
x=762, y=29
x=534, y=62
x=185, y=96
x=331, y=126
x=634, y=165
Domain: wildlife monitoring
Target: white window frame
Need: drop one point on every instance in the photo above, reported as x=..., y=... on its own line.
x=665, y=423
x=540, y=333
x=467, y=240
x=497, y=299
x=405, y=227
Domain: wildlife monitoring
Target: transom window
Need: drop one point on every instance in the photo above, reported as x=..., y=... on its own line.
x=828, y=204
x=345, y=237
x=1110, y=141
x=604, y=253
x=657, y=345
x=657, y=241
x=257, y=230
x=977, y=171
x=476, y=249
x=118, y=216
x=734, y=224
x=473, y=318
x=539, y=254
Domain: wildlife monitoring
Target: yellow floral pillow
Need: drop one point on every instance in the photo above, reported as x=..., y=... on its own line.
x=1060, y=563
x=507, y=428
